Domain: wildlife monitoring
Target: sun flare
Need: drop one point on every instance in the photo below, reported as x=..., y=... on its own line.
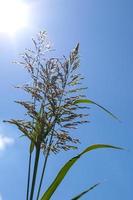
x=14, y=15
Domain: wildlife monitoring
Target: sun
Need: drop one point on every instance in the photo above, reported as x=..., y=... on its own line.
x=14, y=16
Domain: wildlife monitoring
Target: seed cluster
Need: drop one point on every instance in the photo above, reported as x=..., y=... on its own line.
x=55, y=87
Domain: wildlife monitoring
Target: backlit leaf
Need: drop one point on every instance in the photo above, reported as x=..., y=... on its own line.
x=62, y=173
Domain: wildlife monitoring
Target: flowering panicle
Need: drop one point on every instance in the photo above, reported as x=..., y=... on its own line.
x=55, y=86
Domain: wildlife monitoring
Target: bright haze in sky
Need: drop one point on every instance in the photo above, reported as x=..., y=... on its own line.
x=14, y=15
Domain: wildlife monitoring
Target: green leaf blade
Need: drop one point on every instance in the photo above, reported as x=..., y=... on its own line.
x=64, y=170
x=84, y=192
x=88, y=101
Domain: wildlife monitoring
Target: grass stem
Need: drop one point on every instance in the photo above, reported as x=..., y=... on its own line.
x=29, y=173
x=35, y=171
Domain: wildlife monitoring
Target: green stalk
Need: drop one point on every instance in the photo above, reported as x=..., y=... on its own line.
x=42, y=176
x=35, y=171
x=28, y=181
x=44, y=167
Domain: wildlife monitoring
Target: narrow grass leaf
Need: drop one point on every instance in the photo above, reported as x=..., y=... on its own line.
x=62, y=173
x=92, y=102
x=84, y=192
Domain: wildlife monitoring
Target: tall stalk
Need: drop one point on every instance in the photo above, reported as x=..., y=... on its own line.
x=29, y=173
x=44, y=167
x=35, y=171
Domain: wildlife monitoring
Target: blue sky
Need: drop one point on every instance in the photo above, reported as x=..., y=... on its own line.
x=104, y=30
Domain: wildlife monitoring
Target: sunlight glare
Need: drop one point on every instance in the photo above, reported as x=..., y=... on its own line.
x=13, y=16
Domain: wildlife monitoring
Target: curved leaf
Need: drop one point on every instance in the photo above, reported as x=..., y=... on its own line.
x=92, y=102
x=62, y=173
x=83, y=193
